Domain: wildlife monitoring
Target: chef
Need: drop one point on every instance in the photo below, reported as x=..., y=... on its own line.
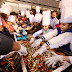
x=38, y=15
x=53, y=60
x=45, y=25
x=54, y=21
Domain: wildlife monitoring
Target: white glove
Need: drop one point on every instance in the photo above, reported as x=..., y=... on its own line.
x=24, y=32
x=36, y=43
x=66, y=64
x=20, y=28
x=23, y=50
x=53, y=60
x=40, y=51
x=56, y=21
x=17, y=30
x=32, y=40
x=17, y=34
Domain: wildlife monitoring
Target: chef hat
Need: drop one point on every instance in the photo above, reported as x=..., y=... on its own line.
x=11, y=18
x=37, y=9
x=31, y=18
x=6, y=9
x=22, y=13
x=46, y=17
x=66, y=11
x=38, y=18
x=27, y=13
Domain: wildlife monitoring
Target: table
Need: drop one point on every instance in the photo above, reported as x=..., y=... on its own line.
x=38, y=63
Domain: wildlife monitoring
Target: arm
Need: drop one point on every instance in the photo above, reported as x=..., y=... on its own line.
x=56, y=22
x=50, y=35
x=64, y=42
x=37, y=33
x=45, y=37
x=58, y=38
x=49, y=45
x=7, y=45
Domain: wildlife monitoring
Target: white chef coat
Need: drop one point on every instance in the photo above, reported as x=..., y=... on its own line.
x=64, y=42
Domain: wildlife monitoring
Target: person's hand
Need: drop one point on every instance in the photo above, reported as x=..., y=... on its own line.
x=23, y=50
x=53, y=60
x=56, y=21
x=24, y=32
x=36, y=43
x=17, y=30
x=32, y=40
x=17, y=34
x=40, y=51
x=20, y=28
x=66, y=64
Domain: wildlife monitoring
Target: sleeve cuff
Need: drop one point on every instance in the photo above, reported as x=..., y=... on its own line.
x=43, y=38
x=51, y=46
x=47, y=43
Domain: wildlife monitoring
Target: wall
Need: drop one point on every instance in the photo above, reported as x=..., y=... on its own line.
x=20, y=5
x=16, y=6
x=52, y=3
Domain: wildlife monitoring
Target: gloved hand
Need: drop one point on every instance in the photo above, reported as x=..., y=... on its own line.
x=24, y=32
x=66, y=64
x=23, y=50
x=36, y=43
x=53, y=60
x=32, y=40
x=40, y=51
x=17, y=34
x=56, y=21
x=17, y=30
x=20, y=28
